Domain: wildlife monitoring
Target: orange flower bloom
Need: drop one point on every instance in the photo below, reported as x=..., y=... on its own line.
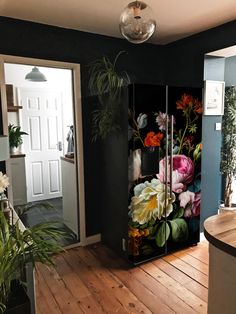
x=134, y=232
x=200, y=146
x=197, y=106
x=153, y=139
x=186, y=100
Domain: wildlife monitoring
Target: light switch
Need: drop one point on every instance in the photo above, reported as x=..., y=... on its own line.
x=218, y=126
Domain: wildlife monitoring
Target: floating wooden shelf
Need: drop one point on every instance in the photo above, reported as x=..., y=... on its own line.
x=13, y=108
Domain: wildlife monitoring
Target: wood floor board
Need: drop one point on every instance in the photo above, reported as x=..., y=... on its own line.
x=146, y=281
x=127, y=299
x=95, y=280
x=100, y=292
x=153, y=301
x=185, y=280
x=65, y=300
x=198, y=253
x=194, y=262
x=187, y=269
x=197, y=289
x=174, y=286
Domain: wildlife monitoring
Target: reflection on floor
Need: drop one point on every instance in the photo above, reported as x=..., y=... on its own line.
x=40, y=214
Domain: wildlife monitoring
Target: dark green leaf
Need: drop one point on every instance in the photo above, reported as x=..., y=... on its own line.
x=179, y=230
x=163, y=233
x=178, y=212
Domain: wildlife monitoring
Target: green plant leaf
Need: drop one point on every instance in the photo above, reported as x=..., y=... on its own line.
x=18, y=247
x=152, y=232
x=163, y=233
x=178, y=212
x=179, y=230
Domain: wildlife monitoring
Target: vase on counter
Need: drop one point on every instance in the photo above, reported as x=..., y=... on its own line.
x=14, y=150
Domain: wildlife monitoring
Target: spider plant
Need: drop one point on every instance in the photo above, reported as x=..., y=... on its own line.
x=105, y=81
x=19, y=247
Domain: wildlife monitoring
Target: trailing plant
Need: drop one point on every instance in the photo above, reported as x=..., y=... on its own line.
x=105, y=81
x=15, y=135
x=19, y=247
x=228, y=153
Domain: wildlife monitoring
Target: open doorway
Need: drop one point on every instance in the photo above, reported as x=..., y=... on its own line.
x=47, y=114
x=219, y=66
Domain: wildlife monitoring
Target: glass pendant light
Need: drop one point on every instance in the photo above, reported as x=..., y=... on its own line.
x=35, y=76
x=137, y=23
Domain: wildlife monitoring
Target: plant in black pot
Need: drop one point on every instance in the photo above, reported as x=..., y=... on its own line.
x=228, y=154
x=15, y=137
x=19, y=246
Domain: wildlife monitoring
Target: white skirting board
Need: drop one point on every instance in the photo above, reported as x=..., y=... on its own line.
x=92, y=239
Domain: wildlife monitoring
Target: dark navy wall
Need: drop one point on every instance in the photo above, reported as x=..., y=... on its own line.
x=186, y=66
x=180, y=64
x=186, y=57
x=145, y=63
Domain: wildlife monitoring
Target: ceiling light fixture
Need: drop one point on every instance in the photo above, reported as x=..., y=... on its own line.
x=35, y=76
x=137, y=23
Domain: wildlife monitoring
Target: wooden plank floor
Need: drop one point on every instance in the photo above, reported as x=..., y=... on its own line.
x=94, y=280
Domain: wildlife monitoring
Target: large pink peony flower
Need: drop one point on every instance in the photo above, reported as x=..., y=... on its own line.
x=183, y=172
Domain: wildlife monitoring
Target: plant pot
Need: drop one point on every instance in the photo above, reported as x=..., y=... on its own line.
x=14, y=150
x=19, y=302
x=224, y=209
x=150, y=160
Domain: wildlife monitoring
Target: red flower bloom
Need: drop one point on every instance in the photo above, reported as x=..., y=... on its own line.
x=197, y=106
x=153, y=139
x=186, y=100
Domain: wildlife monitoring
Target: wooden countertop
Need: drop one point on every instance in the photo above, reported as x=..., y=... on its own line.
x=220, y=231
x=17, y=155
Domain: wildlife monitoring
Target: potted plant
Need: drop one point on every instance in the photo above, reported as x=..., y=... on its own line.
x=228, y=154
x=17, y=248
x=105, y=81
x=15, y=136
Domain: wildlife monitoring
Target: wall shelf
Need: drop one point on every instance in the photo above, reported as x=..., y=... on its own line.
x=13, y=108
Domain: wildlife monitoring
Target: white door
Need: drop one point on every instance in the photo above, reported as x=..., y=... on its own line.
x=42, y=120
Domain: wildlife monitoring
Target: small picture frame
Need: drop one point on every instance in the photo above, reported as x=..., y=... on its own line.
x=214, y=94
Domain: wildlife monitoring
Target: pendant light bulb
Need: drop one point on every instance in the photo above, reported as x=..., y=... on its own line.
x=137, y=24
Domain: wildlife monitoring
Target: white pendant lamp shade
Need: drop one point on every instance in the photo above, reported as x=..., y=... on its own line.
x=35, y=76
x=137, y=23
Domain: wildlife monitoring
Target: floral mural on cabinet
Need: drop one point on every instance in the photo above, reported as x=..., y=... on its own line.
x=160, y=218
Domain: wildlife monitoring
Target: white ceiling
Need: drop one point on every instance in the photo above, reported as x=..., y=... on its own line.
x=175, y=19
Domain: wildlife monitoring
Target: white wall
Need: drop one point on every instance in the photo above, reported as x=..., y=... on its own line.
x=59, y=79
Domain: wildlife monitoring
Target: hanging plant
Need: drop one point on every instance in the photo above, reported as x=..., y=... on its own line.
x=106, y=82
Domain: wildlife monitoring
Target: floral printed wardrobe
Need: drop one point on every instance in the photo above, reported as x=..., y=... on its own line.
x=164, y=161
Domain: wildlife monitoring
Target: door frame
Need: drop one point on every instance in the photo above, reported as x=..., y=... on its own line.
x=77, y=109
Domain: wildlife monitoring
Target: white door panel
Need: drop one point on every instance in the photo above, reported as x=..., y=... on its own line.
x=42, y=120
x=34, y=131
x=54, y=176
x=37, y=178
